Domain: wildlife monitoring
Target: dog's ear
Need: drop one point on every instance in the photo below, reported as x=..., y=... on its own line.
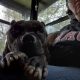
x=43, y=24
x=13, y=22
x=44, y=30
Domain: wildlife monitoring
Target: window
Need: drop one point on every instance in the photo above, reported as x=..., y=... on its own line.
x=57, y=27
x=52, y=13
x=3, y=29
x=9, y=15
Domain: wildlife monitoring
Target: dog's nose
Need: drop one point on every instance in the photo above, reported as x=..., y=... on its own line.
x=28, y=38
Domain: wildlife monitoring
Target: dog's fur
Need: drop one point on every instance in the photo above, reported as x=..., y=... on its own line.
x=25, y=50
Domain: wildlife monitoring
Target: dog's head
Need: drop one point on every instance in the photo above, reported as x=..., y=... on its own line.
x=26, y=36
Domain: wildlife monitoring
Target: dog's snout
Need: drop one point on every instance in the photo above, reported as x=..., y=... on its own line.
x=28, y=38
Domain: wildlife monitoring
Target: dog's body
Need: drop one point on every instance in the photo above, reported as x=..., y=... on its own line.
x=24, y=51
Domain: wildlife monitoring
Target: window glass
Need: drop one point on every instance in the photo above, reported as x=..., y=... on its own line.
x=9, y=15
x=3, y=29
x=52, y=13
x=57, y=27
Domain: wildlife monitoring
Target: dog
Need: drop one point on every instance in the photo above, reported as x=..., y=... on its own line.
x=24, y=56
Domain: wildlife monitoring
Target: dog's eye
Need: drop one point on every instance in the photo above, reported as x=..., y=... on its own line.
x=16, y=31
x=41, y=36
x=41, y=29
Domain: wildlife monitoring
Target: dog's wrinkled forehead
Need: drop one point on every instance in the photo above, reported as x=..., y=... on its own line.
x=32, y=25
x=20, y=27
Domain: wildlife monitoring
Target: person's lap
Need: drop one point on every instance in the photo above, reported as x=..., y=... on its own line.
x=63, y=73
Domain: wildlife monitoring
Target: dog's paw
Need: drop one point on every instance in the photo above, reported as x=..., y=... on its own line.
x=36, y=68
x=15, y=56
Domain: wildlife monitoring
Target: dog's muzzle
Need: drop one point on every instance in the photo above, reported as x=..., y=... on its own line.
x=28, y=38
